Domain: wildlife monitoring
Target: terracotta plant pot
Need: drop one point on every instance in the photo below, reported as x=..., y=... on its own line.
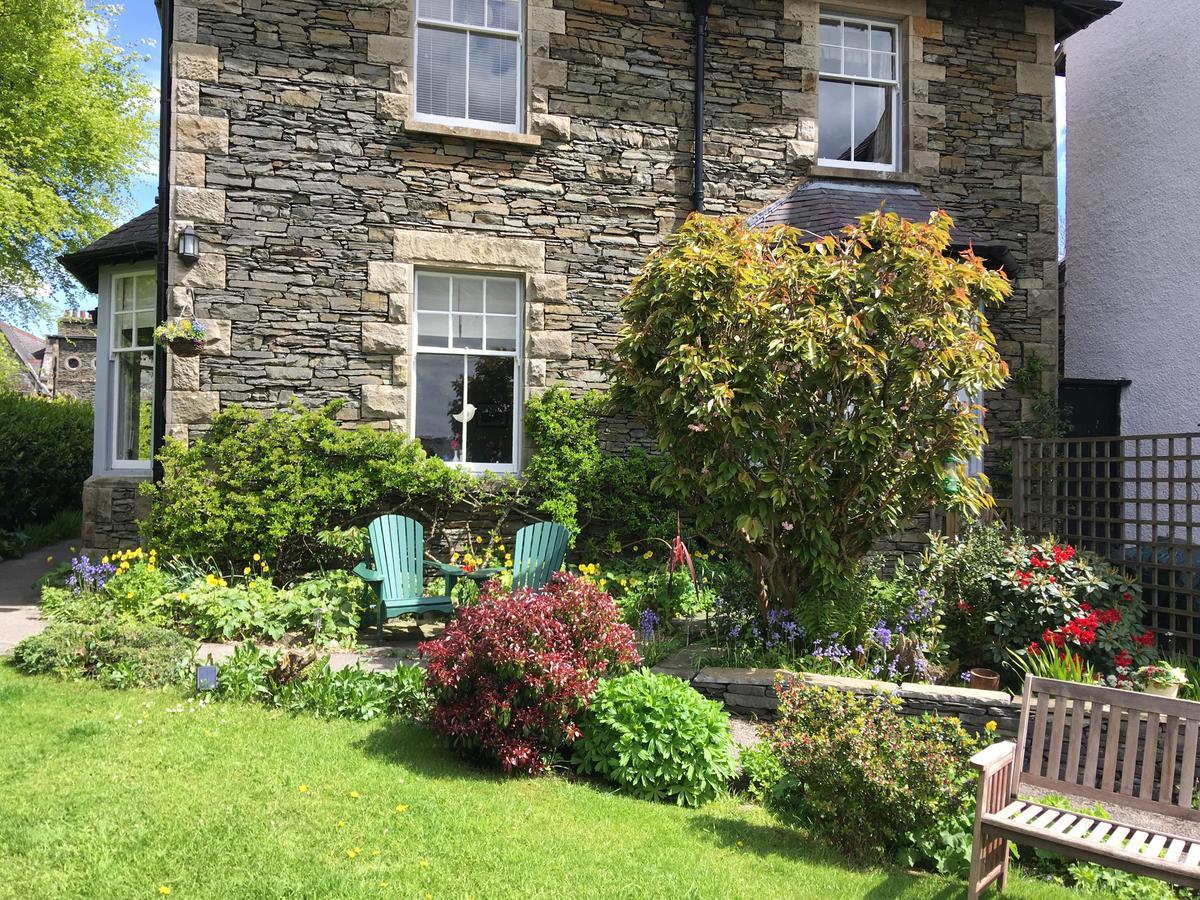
x=984, y=680
x=1163, y=690
x=186, y=348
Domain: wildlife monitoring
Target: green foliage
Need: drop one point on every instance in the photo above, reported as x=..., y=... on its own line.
x=350, y=693
x=657, y=738
x=45, y=453
x=117, y=655
x=269, y=484
x=65, y=524
x=864, y=776
x=762, y=769
x=12, y=543
x=11, y=369
x=577, y=483
x=75, y=127
x=804, y=394
x=1053, y=662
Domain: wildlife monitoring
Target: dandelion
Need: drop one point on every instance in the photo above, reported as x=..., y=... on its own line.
x=164, y=889
x=741, y=844
x=341, y=823
x=181, y=595
x=354, y=795
x=401, y=807
x=376, y=852
x=351, y=853
x=304, y=788
x=424, y=864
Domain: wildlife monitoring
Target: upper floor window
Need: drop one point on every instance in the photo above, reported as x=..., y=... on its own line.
x=859, y=124
x=469, y=55
x=465, y=368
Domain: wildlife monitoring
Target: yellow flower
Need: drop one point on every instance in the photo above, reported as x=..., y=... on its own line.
x=989, y=727
x=223, y=583
x=424, y=864
x=352, y=853
x=376, y=852
x=635, y=548
x=341, y=823
x=246, y=571
x=649, y=554
x=149, y=567
x=354, y=795
x=478, y=539
x=104, y=561
x=164, y=889
x=304, y=788
x=182, y=595
x=741, y=844
x=257, y=557
x=401, y=807
x=266, y=568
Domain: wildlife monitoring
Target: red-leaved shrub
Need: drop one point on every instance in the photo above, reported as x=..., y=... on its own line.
x=512, y=673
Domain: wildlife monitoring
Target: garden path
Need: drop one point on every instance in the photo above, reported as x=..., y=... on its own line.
x=20, y=615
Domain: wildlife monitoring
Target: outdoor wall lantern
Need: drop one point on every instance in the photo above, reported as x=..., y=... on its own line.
x=188, y=247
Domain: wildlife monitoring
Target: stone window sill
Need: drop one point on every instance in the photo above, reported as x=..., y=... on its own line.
x=465, y=132
x=818, y=171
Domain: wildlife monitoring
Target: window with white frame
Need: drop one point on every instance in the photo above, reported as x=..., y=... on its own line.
x=465, y=368
x=859, y=113
x=469, y=62
x=131, y=380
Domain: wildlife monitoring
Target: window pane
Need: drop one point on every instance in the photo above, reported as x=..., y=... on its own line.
x=882, y=65
x=134, y=393
x=502, y=333
x=856, y=35
x=436, y=9
x=493, y=87
x=502, y=296
x=145, y=291
x=439, y=396
x=504, y=14
x=831, y=32
x=124, y=294
x=831, y=60
x=873, y=124
x=468, y=332
x=883, y=39
x=490, y=392
x=858, y=62
x=433, y=291
x=441, y=72
x=433, y=329
x=468, y=295
x=834, y=121
x=469, y=12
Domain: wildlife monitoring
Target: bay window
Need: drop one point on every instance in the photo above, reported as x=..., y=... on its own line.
x=131, y=368
x=469, y=62
x=465, y=368
x=859, y=101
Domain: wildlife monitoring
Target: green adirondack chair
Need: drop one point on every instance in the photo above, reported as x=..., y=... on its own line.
x=394, y=569
x=540, y=552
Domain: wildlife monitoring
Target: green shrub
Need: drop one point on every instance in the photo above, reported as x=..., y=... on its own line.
x=350, y=693
x=45, y=456
x=865, y=777
x=269, y=484
x=657, y=738
x=118, y=655
x=762, y=769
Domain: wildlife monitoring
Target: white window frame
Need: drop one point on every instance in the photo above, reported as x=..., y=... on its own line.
x=892, y=83
x=515, y=355
x=106, y=419
x=419, y=21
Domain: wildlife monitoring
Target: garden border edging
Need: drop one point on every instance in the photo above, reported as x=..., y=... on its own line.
x=752, y=692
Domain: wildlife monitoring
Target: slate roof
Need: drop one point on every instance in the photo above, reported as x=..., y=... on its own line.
x=824, y=206
x=1071, y=16
x=137, y=239
x=28, y=348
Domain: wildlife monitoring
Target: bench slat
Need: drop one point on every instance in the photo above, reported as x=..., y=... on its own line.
x=1078, y=716
x=1166, y=785
x=1154, y=847
x=1062, y=709
x=1047, y=816
x=1037, y=753
x=1150, y=756
x=1111, y=749
x=1102, y=828
x=1011, y=810
x=1117, y=836
x=1135, y=841
x=1081, y=828
x=1129, y=752
x=1093, y=748
x=1193, y=855
x=1176, y=848
x=1188, y=775
x=1061, y=824
x=1027, y=813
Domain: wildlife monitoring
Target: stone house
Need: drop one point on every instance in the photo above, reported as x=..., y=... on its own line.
x=429, y=208
x=62, y=364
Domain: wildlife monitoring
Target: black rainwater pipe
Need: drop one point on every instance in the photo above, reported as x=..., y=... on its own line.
x=700, y=14
x=158, y=424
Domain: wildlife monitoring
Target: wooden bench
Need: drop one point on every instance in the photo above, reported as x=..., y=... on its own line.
x=1100, y=744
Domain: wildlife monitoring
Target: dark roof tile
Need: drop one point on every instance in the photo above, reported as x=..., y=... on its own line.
x=136, y=239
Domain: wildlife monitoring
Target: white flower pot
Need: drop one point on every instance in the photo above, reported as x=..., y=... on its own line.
x=1162, y=690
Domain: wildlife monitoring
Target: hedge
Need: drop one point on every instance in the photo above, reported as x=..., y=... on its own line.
x=45, y=456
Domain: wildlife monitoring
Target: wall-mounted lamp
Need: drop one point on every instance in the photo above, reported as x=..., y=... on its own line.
x=188, y=246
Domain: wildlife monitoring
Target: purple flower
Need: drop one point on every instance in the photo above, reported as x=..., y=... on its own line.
x=88, y=576
x=648, y=622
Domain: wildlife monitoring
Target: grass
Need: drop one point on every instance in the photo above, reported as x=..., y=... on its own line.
x=116, y=794
x=60, y=527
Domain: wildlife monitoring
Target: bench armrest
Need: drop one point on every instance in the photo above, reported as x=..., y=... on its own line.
x=367, y=574
x=994, y=757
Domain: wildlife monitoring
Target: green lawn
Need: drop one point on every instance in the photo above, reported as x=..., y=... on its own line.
x=116, y=794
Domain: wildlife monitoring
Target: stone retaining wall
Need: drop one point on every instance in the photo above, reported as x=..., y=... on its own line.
x=752, y=692
x=112, y=506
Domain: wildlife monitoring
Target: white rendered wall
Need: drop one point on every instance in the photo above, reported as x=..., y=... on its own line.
x=1133, y=210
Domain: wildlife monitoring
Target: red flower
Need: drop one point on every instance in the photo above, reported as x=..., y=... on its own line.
x=1034, y=649
x=1023, y=579
x=1037, y=562
x=1123, y=659
x=1127, y=596
x=1110, y=616
x=1063, y=554
x=1146, y=639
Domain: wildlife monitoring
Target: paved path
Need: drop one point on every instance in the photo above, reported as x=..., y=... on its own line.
x=19, y=612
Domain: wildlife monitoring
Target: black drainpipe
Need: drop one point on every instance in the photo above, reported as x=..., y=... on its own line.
x=700, y=11
x=159, y=416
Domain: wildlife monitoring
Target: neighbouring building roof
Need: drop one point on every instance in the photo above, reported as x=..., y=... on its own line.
x=826, y=206
x=27, y=347
x=1071, y=16
x=135, y=240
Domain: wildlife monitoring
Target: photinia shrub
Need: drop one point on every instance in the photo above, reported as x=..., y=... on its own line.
x=808, y=395
x=512, y=674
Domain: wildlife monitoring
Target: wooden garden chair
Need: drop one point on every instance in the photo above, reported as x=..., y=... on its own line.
x=395, y=570
x=541, y=550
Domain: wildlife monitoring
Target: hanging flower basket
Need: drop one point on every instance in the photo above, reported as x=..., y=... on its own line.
x=184, y=337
